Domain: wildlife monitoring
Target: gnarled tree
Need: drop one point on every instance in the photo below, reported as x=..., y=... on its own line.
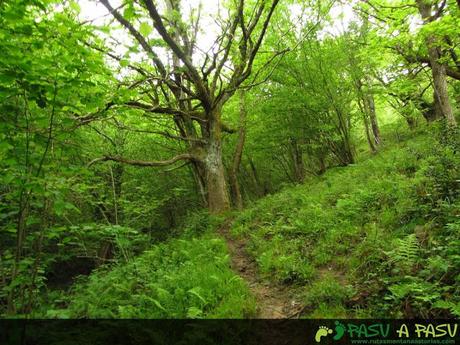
x=192, y=93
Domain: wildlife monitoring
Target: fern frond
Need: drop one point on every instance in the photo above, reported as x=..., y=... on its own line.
x=406, y=252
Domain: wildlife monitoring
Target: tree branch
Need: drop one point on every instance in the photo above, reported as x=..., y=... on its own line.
x=228, y=46
x=185, y=156
x=166, y=110
x=162, y=133
x=424, y=59
x=244, y=70
x=137, y=36
x=159, y=26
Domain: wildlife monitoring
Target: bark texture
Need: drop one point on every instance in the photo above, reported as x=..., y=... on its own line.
x=218, y=198
x=438, y=70
x=233, y=173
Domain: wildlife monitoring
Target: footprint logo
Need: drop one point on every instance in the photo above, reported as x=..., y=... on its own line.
x=321, y=332
x=339, y=330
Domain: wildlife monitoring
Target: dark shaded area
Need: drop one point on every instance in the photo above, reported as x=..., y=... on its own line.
x=126, y=332
x=62, y=273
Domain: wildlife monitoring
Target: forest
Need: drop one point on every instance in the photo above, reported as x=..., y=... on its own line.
x=191, y=159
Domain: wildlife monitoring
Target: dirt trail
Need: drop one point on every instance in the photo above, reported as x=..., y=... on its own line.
x=273, y=301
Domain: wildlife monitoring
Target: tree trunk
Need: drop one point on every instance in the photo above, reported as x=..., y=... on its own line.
x=322, y=164
x=438, y=70
x=364, y=108
x=442, y=104
x=368, y=134
x=368, y=109
x=218, y=198
x=297, y=159
x=198, y=175
x=116, y=175
x=237, y=199
x=234, y=184
x=345, y=153
x=255, y=177
x=373, y=118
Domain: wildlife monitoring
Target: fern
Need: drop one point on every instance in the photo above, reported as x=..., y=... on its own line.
x=406, y=252
x=453, y=307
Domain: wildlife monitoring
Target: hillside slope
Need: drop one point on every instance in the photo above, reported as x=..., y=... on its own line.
x=380, y=238
x=376, y=239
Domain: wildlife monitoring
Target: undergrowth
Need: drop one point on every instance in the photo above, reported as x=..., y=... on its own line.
x=182, y=278
x=375, y=239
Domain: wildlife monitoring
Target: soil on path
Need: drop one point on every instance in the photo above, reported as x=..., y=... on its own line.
x=274, y=301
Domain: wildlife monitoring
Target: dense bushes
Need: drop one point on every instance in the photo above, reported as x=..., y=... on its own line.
x=186, y=276
x=180, y=278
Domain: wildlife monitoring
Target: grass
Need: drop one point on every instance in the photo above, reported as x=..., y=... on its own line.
x=349, y=224
x=182, y=278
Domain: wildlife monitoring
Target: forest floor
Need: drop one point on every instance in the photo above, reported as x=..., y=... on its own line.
x=274, y=301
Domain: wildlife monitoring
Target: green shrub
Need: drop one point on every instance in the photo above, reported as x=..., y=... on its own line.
x=328, y=294
x=178, y=279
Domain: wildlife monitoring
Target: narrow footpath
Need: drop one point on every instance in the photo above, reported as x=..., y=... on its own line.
x=274, y=301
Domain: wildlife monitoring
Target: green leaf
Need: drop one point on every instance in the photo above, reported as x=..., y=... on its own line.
x=195, y=292
x=158, y=304
x=194, y=312
x=145, y=29
x=75, y=6
x=129, y=12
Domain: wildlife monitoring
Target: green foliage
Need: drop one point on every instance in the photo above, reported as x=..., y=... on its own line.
x=405, y=254
x=355, y=234
x=199, y=223
x=381, y=226
x=284, y=266
x=178, y=279
x=48, y=79
x=328, y=292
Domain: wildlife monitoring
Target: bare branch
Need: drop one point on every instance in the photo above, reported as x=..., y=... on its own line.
x=159, y=26
x=182, y=157
x=227, y=48
x=162, y=133
x=165, y=110
x=136, y=35
x=259, y=40
x=118, y=58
